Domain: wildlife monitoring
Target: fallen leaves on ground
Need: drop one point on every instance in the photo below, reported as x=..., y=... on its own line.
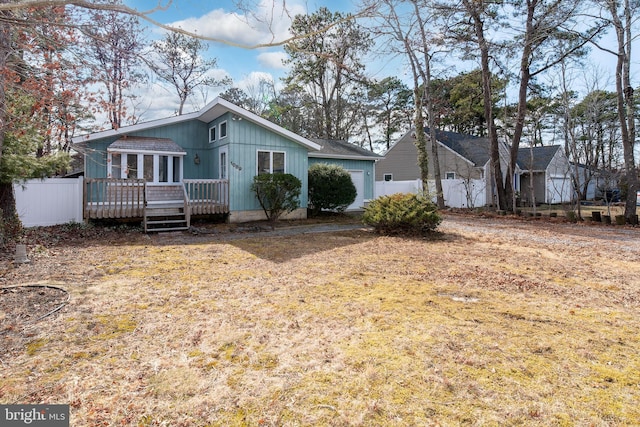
x=490, y=322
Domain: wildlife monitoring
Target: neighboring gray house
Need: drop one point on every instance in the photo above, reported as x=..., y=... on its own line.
x=544, y=175
x=465, y=167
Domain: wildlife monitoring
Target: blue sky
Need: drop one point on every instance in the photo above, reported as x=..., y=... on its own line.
x=222, y=19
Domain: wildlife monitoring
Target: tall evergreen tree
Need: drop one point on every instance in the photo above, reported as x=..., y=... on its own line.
x=327, y=65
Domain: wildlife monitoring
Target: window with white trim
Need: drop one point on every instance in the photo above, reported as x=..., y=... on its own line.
x=388, y=177
x=271, y=162
x=212, y=134
x=223, y=130
x=450, y=175
x=153, y=168
x=223, y=164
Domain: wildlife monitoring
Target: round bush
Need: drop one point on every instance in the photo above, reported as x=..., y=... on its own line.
x=330, y=188
x=402, y=214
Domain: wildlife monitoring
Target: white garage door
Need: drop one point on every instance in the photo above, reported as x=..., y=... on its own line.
x=358, y=180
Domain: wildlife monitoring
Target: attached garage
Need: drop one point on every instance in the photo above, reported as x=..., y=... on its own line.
x=358, y=180
x=360, y=163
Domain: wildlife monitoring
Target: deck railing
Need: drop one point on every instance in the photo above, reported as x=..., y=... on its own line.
x=206, y=196
x=114, y=198
x=128, y=198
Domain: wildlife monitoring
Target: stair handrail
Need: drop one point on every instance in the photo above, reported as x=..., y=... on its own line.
x=187, y=204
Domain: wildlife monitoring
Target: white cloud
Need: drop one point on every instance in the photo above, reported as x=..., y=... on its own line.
x=159, y=99
x=268, y=23
x=251, y=82
x=272, y=60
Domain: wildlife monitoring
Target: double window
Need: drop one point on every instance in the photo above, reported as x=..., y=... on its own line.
x=270, y=162
x=153, y=168
x=218, y=132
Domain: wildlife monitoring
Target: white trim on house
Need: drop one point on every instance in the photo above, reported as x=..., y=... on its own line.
x=207, y=114
x=271, y=153
x=146, y=152
x=338, y=156
x=226, y=130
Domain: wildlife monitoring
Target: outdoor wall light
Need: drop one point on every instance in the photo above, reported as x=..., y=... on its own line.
x=196, y=159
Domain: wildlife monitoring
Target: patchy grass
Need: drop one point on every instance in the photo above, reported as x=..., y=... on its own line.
x=490, y=323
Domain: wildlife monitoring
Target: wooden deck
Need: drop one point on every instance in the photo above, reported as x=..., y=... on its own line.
x=108, y=198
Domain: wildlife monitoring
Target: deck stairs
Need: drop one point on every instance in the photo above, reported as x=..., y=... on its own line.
x=165, y=217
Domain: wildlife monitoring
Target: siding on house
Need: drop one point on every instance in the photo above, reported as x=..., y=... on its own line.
x=466, y=157
x=243, y=142
x=190, y=135
x=546, y=172
x=361, y=163
x=246, y=135
x=366, y=166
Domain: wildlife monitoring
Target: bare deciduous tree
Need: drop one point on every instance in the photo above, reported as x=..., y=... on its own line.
x=180, y=64
x=412, y=33
x=622, y=17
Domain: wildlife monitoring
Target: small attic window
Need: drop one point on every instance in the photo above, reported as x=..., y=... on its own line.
x=450, y=175
x=223, y=130
x=388, y=177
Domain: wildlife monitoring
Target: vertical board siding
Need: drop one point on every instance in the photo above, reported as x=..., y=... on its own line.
x=49, y=202
x=246, y=139
x=367, y=166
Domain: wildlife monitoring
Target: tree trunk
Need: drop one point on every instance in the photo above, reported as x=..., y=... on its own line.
x=628, y=141
x=525, y=77
x=496, y=168
x=10, y=225
x=5, y=46
x=425, y=71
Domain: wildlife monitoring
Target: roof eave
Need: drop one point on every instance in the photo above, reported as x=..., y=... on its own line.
x=133, y=128
x=137, y=151
x=232, y=108
x=346, y=157
x=201, y=115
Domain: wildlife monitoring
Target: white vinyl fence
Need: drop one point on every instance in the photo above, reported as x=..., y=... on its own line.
x=458, y=193
x=50, y=201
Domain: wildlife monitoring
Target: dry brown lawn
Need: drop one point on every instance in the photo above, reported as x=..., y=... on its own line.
x=490, y=322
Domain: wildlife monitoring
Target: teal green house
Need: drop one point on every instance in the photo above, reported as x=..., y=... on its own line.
x=204, y=163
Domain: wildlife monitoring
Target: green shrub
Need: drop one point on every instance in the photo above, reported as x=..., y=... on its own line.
x=330, y=188
x=277, y=193
x=402, y=214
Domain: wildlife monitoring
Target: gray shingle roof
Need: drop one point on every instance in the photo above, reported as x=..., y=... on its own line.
x=141, y=143
x=334, y=147
x=542, y=156
x=473, y=148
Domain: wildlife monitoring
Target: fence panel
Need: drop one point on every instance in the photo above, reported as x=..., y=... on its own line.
x=458, y=193
x=50, y=201
x=386, y=188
